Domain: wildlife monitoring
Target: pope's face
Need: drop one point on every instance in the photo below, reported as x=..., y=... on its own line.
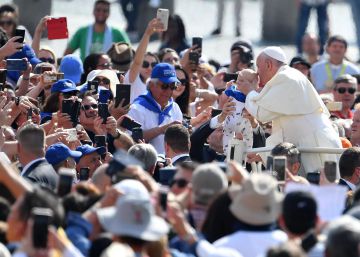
x=262, y=70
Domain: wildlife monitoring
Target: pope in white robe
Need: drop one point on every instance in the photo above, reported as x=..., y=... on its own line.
x=290, y=101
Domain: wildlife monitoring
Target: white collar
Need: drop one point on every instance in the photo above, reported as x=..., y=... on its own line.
x=177, y=157
x=29, y=164
x=351, y=185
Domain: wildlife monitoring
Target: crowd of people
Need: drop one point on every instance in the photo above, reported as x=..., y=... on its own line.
x=126, y=152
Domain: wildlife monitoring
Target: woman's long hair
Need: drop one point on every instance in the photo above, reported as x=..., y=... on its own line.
x=183, y=99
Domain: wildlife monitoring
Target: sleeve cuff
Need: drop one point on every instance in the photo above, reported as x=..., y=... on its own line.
x=214, y=122
x=257, y=129
x=250, y=106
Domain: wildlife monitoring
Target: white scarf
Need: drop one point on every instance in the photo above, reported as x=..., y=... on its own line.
x=106, y=43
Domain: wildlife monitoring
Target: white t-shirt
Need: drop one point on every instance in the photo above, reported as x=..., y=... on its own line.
x=252, y=243
x=137, y=87
x=149, y=120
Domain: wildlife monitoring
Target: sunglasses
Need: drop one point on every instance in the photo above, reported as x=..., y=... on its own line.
x=147, y=64
x=183, y=81
x=92, y=106
x=103, y=81
x=68, y=95
x=172, y=86
x=179, y=182
x=6, y=23
x=49, y=60
x=104, y=65
x=342, y=90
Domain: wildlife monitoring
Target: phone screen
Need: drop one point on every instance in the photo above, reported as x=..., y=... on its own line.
x=166, y=175
x=103, y=112
x=75, y=112
x=215, y=112
x=29, y=114
x=129, y=124
x=42, y=218
x=194, y=58
x=197, y=41
x=92, y=86
x=230, y=76
x=269, y=163
x=100, y=140
x=65, y=183
x=330, y=171
x=313, y=177
x=16, y=64
x=137, y=134
x=280, y=167
x=122, y=92
x=104, y=96
x=84, y=174
x=66, y=106
x=20, y=33
x=309, y=242
x=3, y=73
x=163, y=15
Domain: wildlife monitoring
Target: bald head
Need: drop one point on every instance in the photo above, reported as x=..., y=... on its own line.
x=100, y=179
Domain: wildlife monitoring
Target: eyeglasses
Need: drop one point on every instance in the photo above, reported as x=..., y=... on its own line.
x=6, y=23
x=49, y=60
x=92, y=106
x=179, y=182
x=172, y=86
x=103, y=81
x=183, y=81
x=147, y=64
x=104, y=65
x=68, y=95
x=342, y=90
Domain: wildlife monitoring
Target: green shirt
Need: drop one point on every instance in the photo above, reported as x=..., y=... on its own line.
x=80, y=38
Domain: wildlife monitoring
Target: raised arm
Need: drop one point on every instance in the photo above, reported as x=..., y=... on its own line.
x=154, y=25
x=38, y=33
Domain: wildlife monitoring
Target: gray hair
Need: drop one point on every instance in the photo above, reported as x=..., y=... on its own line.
x=32, y=138
x=343, y=237
x=146, y=153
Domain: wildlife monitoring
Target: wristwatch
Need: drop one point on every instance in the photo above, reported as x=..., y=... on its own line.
x=118, y=134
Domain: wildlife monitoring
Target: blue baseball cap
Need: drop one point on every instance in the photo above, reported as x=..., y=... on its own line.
x=26, y=52
x=88, y=149
x=59, y=152
x=64, y=86
x=72, y=67
x=165, y=73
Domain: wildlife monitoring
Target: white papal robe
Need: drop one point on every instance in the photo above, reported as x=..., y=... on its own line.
x=297, y=113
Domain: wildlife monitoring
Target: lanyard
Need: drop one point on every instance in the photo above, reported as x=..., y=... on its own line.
x=329, y=72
